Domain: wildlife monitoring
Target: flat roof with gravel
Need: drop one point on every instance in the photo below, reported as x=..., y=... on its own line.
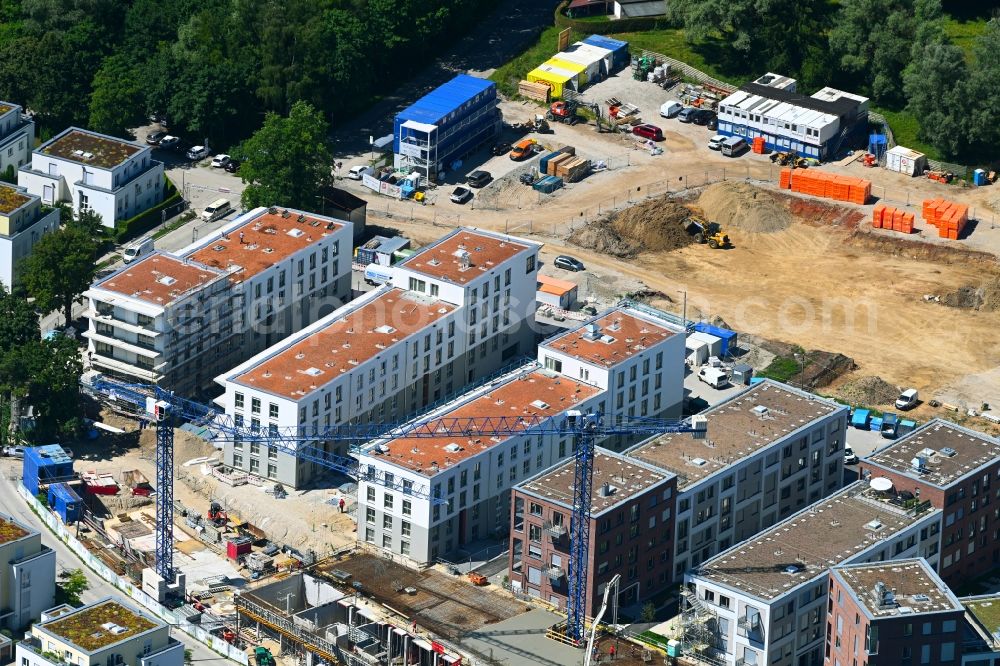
x=611, y=338
x=11, y=199
x=464, y=255
x=10, y=531
x=91, y=148
x=908, y=587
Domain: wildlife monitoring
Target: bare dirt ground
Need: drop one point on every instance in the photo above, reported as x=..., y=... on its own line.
x=450, y=606
x=303, y=519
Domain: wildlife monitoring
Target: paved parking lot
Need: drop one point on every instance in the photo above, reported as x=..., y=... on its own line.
x=695, y=389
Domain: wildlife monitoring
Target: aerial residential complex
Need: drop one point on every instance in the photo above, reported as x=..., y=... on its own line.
x=23, y=222
x=17, y=136
x=767, y=597
x=27, y=574
x=115, y=178
x=957, y=470
x=892, y=613
x=104, y=632
x=455, y=313
x=178, y=320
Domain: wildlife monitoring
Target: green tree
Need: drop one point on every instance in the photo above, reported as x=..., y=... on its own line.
x=649, y=612
x=46, y=375
x=983, y=131
x=60, y=268
x=117, y=103
x=18, y=322
x=71, y=585
x=934, y=80
x=287, y=161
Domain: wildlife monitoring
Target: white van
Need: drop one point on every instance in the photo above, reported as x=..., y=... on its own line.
x=717, y=378
x=670, y=109
x=216, y=209
x=137, y=249
x=733, y=146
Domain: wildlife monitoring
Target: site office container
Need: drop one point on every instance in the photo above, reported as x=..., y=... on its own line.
x=605, y=58
x=618, y=48
x=590, y=65
x=448, y=106
x=557, y=78
x=579, y=69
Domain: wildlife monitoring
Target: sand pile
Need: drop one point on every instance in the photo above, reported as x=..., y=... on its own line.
x=985, y=298
x=657, y=225
x=871, y=390
x=743, y=206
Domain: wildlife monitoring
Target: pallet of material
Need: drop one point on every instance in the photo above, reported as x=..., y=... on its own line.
x=573, y=171
x=555, y=162
x=826, y=185
x=949, y=217
x=534, y=90
x=892, y=219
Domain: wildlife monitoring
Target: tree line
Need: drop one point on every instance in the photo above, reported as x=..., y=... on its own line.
x=896, y=52
x=214, y=68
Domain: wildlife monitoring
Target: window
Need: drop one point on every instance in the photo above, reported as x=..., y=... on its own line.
x=239, y=401
x=371, y=494
x=370, y=515
x=387, y=522
x=529, y=264
x=407, y=507
x=255, y=405
x=389, y=499
x=947, y=652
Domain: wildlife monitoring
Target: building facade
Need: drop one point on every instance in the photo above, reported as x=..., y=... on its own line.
x=631, y=524
x=115, y=178
x=813, y=126
x=27, y=574
x=957, y=470
x=23, y=222
x=104, y=632
x=178, y=320
x=17, y=137
x=895, y=613
x=769, y=451
x=765, y=600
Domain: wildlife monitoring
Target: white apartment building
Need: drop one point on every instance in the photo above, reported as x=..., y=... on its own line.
x=471, y=476
x=17, y=136
x=453, y=314
x=178, y=320
x=764, y=601
x=115, y=178
x=97, y=634
x=27, y=574
x=769, y=451
x=23, y=222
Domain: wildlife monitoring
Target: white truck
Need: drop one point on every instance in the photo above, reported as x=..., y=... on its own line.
x=717, y=378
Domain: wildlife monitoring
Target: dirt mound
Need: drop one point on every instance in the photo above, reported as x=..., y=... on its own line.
x=871, y=390
x=919, y=250
x=985, y=298
x=657, y=225
x=743, y=206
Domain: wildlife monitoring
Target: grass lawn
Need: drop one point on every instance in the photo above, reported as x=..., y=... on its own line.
x=654, y=639
x=508, y=74
x=963, y=33
x=671, y=42
x=905, y=127
x=988, y=613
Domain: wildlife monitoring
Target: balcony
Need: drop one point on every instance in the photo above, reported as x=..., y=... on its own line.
x=556, y=531
x=555, y=573
x=118, y=322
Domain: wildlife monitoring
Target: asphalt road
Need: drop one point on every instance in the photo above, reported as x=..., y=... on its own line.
x=12, y=504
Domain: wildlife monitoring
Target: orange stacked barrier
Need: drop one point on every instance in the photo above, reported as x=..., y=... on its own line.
x=826, y=185
x=892, y=219
x=758, y=145
x=949, y=217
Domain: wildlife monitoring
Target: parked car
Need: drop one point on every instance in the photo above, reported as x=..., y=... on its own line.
x=233, y=166
x=686, y=114
x=734, y=146
x=359, y=171
x=670, y=109
x=702, y=117
x=568, y=263
x=715, y=143
x=220, y=161
x=217, y=209
x=137, y=250
x=14, y=451
x=524, y=149
x=713, y=124
x=198, y=153
x=169, y=141
x=501, y=148
x=461, y=195
x=850, y=457
x=908, y=399
x=648, y=131
x=154, y=138
x=478, y=178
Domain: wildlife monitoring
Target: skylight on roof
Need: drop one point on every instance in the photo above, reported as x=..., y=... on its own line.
x=385, y=329
x=166, y=280
x=295, y=233
x=313, y=372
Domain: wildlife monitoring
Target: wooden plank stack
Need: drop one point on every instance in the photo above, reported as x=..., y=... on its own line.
x=550, y=169
x=949, y=217
x=893, y=219
x=573, y=169
x=534, y=90
x=826, y=185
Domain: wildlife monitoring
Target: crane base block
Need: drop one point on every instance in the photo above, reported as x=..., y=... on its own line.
x=157, y=587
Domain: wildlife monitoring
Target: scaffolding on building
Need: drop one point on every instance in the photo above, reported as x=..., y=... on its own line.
x=699, y=630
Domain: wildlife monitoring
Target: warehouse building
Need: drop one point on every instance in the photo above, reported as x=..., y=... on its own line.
x=27, y=574
x=892, y=613
x=437, y=131
x=770, y=450
x=818, y=126
x=957, y=470
x=765, y=600
x=456, y=312
x=179, y=319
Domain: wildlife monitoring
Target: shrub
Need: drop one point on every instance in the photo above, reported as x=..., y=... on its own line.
x=146, y=220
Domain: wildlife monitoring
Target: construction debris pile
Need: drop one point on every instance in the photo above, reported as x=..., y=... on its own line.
x=743, y=206
x=656, y=225
x=985, y=298
x=871, y=390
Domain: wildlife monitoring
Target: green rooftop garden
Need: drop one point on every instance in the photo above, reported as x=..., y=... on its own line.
x=11, y=199
x=987, y=612
x=10, y=531
x=86, y=628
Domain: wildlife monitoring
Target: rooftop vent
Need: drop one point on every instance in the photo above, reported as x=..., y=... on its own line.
x=921, y=598
x=591, y=331
x=606, y=490
x=885, y=597
x=919, y=463
x=453, y=448
x=464, y=259
x=385, y=329
x=873, y=525
x=295, y=233
x=698, y=462
x=166, y=279
x=539, y=404
x=948, y=451
x=760, y=410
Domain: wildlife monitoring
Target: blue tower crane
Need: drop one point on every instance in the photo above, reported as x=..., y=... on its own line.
x=152, y=403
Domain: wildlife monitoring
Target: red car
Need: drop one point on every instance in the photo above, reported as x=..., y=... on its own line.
x=648, y=131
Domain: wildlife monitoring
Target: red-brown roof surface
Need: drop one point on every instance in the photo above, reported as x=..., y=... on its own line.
x=485, y=253
x=267, y=239
x=344, y=343
x=628, y=335
x=517, y=397
x=158, y=279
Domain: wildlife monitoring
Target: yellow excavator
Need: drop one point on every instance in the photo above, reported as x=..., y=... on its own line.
x=709, y=233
